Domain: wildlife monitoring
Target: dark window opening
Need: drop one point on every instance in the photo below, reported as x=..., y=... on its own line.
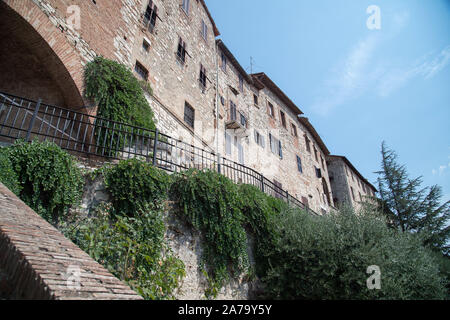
x=241, y=83
x=299, y=164
x=181, y=52
x=145, y=46
x=224, y=62
x=150, y=15
x=233, y=111
x=141, y=71
x=244, y=121
x=255, y=99
x=307, y=141
x=318, y=173
x=271, y=110
x=189, y=115
x=202, y=78
x=294, y=130
x=283, y=119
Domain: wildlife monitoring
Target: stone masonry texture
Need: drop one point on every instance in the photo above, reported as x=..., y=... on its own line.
x=50, y=54
x=38, y=262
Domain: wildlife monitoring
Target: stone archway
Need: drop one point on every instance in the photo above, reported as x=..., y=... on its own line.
x=36, y=59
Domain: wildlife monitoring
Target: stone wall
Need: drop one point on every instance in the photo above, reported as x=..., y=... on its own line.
x=38, y=262
x=185, y=242
x=348, y=186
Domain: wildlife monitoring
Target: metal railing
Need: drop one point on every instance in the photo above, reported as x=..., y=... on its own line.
x=85, y=134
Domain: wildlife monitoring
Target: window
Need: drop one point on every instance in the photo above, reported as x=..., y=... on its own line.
x=321, y=160
x=259, y=139
x=315, y=154
x=293, y=130
x=224, y=62
x=299, y=164
x=227, y=144
x=222, y=100
x=353, y=195
x=145, y=46
x=141, y=71
x=150, y=16
x=243, y=120
x=283, y=118
x=204, y=30
x=233, y=111
x=189, y=115
x=241, y=83
x=307, y=141
x=255, y=99
x=271, y=110
x=202, y=78
x=318, y=172
x=240, y=153
x=275, y=146
x=181, y=52
x=185, y=6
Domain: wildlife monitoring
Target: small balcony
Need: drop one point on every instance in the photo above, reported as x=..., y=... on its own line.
x=237, y=121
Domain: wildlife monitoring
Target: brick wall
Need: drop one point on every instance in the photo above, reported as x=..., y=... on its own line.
x=38, y=262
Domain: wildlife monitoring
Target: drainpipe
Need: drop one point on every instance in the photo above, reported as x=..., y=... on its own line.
x=217, y=100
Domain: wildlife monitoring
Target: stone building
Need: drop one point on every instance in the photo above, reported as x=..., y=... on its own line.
x=201, y=93
x=349, y=187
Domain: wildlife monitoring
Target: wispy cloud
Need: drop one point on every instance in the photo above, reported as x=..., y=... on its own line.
x=426, y=67
x=349, y=77
x=442, y=169
x=361, y=71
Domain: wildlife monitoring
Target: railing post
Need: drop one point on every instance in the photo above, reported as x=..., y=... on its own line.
x=219, y=169
x=33, y=118
x=155, y=146
x=287, y=197
x=262, y=183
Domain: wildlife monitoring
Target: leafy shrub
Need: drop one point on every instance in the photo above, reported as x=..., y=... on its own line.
x=120, y=97
x=7, y=175
x=132, y=248
x=134, y=183
x=49, y=179
x=210, y=202
x=327, y=258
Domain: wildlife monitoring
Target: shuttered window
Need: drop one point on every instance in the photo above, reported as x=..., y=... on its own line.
x=189, y=115
x=150, y=16
x=299, y=164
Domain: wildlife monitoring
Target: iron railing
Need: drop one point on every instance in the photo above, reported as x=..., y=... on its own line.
x=84, y=134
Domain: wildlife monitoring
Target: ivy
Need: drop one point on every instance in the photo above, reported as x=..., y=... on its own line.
x=49, y=180
x=210, y=203
x=131, y=248
x=7, y=174
x=134, y=183
x=120, y=97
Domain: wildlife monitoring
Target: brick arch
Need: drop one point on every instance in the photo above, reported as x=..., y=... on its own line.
x=46, y=50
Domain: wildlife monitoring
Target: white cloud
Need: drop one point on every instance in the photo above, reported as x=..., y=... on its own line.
x=426, y=67
x=349, y=77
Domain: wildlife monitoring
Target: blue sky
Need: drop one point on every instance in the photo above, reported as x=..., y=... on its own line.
x=358, y=87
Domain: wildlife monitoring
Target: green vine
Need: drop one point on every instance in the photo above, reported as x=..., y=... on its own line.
x=49, y=180
x=120, y=97
x=210, y=203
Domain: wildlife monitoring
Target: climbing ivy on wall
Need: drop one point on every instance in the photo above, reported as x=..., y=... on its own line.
x=120, y=97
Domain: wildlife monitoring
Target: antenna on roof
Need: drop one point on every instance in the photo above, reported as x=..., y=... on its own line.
x=251, y=65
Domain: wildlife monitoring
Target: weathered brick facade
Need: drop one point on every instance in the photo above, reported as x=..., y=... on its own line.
x=38, y=262
x=171, y=44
